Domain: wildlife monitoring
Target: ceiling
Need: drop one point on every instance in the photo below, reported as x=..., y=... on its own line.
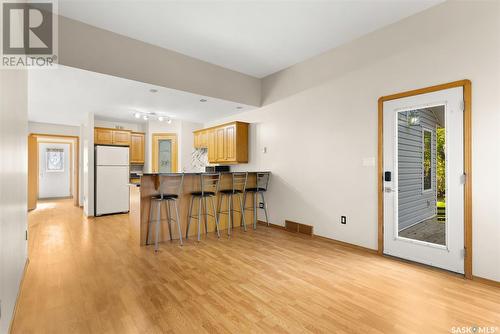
x=253, y=37
x=65, y=95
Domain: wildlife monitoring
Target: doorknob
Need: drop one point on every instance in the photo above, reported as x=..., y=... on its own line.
x=388, y=189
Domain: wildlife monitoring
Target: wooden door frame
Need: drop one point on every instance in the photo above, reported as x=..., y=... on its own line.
x=467, y=94
x=75, y=174
x=155, y=138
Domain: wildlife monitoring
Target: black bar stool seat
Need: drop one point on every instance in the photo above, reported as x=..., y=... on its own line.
x=203, y=194
x=231, y=191
x=255, y=190
x=164, y=196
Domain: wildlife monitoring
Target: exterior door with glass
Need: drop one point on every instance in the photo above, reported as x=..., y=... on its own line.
x=423, y=164
x=164, y=155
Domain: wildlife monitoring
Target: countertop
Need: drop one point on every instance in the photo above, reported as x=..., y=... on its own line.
x=198, y=173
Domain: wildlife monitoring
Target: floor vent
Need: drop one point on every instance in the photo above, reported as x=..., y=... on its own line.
x=298, y=228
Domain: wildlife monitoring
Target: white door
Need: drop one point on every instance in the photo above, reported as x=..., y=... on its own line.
x=54, y=169
x=423, y=179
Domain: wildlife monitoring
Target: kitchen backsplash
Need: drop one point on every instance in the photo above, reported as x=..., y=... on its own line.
x=199, y=159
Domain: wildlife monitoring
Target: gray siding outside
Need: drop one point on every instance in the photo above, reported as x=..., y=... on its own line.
x=414, y=204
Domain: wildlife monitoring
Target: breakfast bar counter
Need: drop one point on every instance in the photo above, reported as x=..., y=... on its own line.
x=150, y=184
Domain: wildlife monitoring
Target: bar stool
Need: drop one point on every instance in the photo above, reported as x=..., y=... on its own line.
x=239, y=184
x=262, y=184
x=170, y=189
x=209, y=187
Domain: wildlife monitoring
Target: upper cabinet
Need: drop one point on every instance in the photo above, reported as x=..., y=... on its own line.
x=137, y=148
x=121, y=137
x=226, y=143
x=201, y=139
x=105, y=136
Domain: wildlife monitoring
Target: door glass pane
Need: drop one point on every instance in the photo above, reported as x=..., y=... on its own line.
x=427, y=177
x=165, y=156
x=421, y=209
x=55, y=160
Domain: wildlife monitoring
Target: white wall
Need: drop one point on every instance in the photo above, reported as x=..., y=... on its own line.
x=53, y=184
x=113, y=124
x=187, y=146
x=87, y=138
x=94, y=49
x=13, y=187
x=320, y=122
x=53, y=129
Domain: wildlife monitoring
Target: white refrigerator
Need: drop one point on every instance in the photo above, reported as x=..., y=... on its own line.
x=111, y=180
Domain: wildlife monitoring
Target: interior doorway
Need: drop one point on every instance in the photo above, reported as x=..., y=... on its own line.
x=424, y=161
x=164, y=154
x=53, y=168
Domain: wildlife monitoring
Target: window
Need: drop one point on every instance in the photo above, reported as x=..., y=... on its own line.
x=55, y=160
x=427, y=160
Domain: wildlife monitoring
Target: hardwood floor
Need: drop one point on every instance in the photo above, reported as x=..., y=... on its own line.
x=90, y=276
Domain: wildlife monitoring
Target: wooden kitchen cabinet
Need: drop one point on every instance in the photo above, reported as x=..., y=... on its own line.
x=103, y=136
x=204, y=139
x=211, y=145
x=106, y=136
x=197, y=136
x=219, y=145
x=137, y=140
x=121, y=137
x=230, y=143
x=226, y=143
x=200, y=139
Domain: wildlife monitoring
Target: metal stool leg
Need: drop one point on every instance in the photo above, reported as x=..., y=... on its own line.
x=229, y=200
x=254, y=210
x=231, y=212
x=158, y=221
x=242, y=210
x=205, y=215
x=215, y=217
x=265, y=207
x=219, y=205
x=167, y=205
x=150, y=221
x=199, y=216
x=190, y=213
x=178, y=220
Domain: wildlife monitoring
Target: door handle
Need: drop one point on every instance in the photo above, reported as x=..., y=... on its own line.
x=388, y=189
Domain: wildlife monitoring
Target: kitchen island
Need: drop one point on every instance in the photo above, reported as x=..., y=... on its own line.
x=149, y=186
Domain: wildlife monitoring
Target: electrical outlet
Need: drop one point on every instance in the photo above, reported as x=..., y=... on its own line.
x=343, y=219
x=261, y=205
